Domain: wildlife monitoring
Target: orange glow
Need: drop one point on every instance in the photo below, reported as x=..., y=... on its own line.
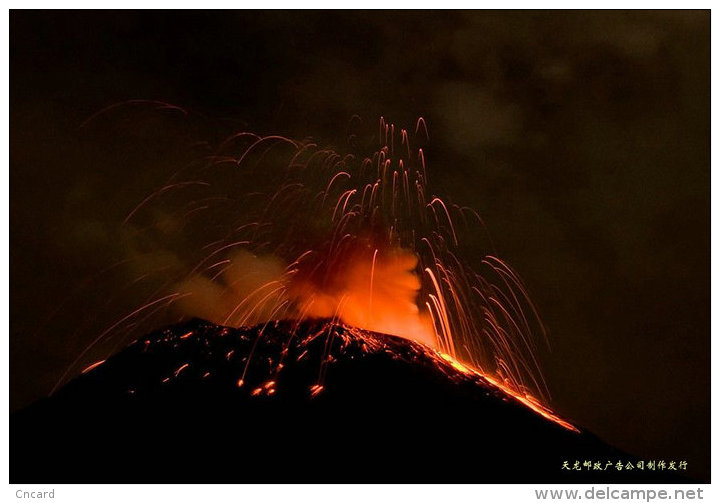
x=456, y=364
x=371, y=289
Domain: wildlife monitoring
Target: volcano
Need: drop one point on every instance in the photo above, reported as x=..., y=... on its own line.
x=293, y=402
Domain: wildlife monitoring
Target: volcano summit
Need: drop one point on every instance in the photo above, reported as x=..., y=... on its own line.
x=310, y=401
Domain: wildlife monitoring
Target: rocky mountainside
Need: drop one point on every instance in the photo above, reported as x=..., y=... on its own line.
x=288, y=402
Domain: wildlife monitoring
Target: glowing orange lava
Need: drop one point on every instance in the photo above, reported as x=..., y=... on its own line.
x=526, y=399
x=376, y=291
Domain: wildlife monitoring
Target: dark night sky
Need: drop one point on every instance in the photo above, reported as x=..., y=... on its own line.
x=582, y=138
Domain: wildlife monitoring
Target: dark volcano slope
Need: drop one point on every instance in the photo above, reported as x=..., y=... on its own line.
x=168, y=409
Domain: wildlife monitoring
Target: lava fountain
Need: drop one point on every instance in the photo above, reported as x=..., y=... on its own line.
x=267, y=228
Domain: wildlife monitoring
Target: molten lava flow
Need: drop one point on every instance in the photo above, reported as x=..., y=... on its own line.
x=526, y=399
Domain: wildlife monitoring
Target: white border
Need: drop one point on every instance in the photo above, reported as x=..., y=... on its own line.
x=300, y=493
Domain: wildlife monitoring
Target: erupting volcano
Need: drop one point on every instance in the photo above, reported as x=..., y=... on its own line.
x=269, y=228
x=334, y=325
